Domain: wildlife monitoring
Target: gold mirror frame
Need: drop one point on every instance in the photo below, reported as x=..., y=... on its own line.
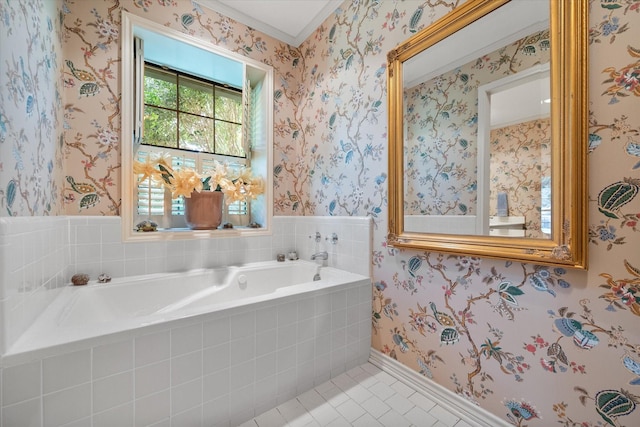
x=569, y=129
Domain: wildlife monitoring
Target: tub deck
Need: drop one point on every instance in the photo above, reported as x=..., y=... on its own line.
x=81, y=313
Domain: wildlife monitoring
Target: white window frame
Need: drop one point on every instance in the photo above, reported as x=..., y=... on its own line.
x=260, y=75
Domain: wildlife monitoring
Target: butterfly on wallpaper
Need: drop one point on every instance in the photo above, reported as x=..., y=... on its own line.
x=3, y=128
x=633, y=149
x=594, y=142
x=10, y=195
x=88, y=192
x=634, y=367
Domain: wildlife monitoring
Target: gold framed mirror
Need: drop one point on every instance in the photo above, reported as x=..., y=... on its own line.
x=465, y=179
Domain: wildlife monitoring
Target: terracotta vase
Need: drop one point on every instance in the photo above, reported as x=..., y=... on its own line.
x=203, y=211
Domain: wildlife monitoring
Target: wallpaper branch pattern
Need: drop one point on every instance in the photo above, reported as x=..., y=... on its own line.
x=30, y=99
x=90, y=78
x=534, y=345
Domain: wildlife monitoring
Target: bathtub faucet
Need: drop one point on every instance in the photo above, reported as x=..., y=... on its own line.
x=320, y=255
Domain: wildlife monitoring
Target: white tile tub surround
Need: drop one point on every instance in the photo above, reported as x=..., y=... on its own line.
x=40, y=254
x=220, y=369
x=352, y=250
x=95, y=246
x=226, y=366
x=34, y=262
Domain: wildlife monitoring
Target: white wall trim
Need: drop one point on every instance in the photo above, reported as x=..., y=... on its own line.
x=461, y=407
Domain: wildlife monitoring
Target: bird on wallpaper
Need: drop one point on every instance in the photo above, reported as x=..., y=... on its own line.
x=89, y=198
x=442, y=318
x=81, y=75
x=89, y=87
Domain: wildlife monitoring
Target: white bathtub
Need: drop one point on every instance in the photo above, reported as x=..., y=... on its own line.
x=99, y=309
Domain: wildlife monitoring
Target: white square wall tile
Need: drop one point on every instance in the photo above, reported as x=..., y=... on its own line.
x=153, y=408
x=118, y=416
x=242, y=350
x=66, y=370
x=20, y=383
x=266, y=318
x=68, y=405
x=186, y=396
x=242, y=375
x=265, y=366
x=112, y=391
x=287, y=313
x=186, y=368
x=152, y=378
x=215, y=386
x=190, y=417
x=216, y=331
x=112, y=358
x=152, y=348
x=186, y=339
x=241, y=404
x=287, y=335
x=266, y=342
x=215, y=358
x=23, y=414
x=84, y=422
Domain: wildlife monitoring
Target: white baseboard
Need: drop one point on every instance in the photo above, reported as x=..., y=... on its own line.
x=461, y=407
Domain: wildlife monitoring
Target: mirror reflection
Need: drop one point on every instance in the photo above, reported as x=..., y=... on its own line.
x=514, y=120
x=465, y=179
x=470, y=147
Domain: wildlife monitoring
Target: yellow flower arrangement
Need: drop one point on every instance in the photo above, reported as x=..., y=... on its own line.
x=237, y=185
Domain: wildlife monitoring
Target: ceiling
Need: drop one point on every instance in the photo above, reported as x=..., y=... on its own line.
x=290, y=21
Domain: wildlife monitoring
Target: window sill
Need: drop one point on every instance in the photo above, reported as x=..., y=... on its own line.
x=186, y=233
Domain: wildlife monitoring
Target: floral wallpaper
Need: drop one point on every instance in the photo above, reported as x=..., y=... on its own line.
x=31, y=99
x=520, y=156
x=442, y=128
x=534, y=345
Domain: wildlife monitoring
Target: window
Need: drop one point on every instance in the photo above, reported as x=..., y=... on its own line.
x=190, y=113
x=221, y=108
x=197, y=121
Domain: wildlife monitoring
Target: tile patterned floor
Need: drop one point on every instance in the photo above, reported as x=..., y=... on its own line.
x=362, y=397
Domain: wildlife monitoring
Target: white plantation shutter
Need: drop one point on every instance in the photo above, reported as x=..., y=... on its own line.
x=150, y=193
x=182, y=160
x=154, y=201
x=246, y=118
